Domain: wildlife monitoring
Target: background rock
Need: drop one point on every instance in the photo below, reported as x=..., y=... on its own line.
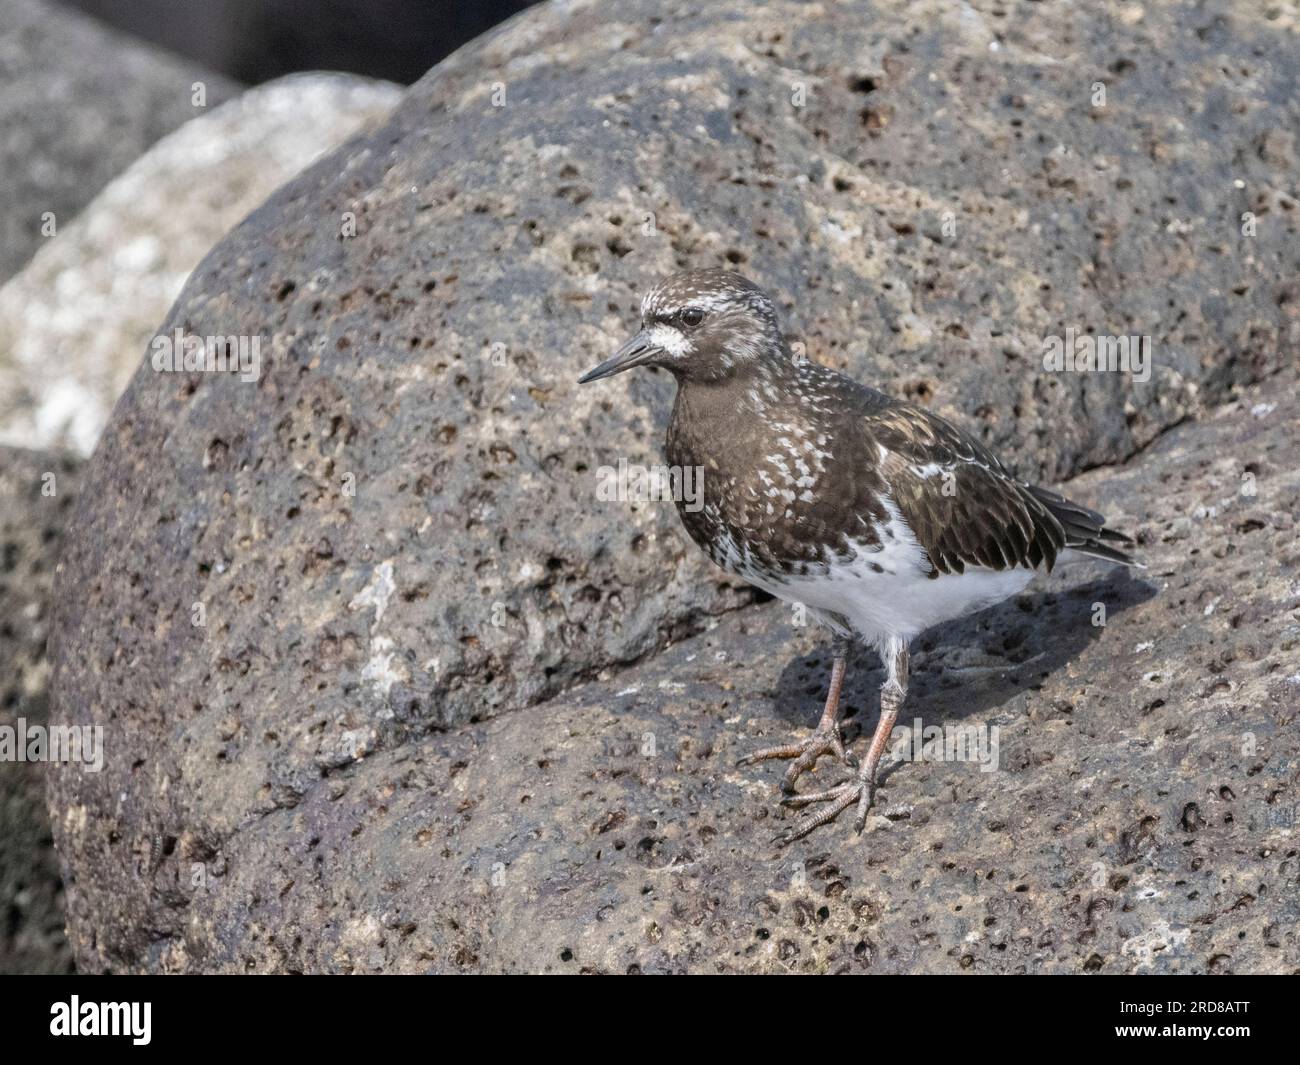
x=78, y=103
x=397, y=528
x=73, y=323
x=31, y=527
x=255, y=40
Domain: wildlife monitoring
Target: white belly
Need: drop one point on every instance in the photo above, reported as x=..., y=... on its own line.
x=884, y=592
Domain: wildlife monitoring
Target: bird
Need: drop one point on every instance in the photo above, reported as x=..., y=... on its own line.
x=881, y=517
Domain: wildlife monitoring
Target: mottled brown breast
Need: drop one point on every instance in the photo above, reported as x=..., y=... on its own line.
x=798, y=463
x=784, y=485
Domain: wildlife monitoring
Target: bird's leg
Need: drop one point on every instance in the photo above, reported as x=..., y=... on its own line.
x=862, y=790
x=892, y=694
x=826, y=737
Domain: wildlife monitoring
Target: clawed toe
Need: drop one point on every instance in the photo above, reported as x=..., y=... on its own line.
x=864, y=804
x=819, y=744
x=829, y=795
x=837, y=799
x=805, y=754
x=788, y=750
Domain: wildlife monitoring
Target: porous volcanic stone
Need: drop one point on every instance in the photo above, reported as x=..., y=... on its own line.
x=75, y=320
x=78, y=103
x=397, y=529
x=36, y=493
x=1141, y=816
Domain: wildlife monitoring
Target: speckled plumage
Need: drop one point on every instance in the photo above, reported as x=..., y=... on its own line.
x=878, y=515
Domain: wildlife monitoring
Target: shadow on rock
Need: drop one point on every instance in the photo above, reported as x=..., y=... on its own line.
x=971, y=666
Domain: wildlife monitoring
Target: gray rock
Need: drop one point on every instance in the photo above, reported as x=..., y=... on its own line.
x=257, y=40
x=74, y=322
x=398, y=528
x=36, y=493
x=78, y=103
x=1139, y=815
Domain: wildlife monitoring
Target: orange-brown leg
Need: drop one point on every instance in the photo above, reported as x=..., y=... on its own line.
x=826, y=737
x=862, y=790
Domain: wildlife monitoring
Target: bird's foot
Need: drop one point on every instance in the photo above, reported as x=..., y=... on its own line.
x=837, y=799
x=805, y=754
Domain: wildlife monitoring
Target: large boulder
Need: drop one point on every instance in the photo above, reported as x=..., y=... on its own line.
x=280, y=587
x=1136, y=815
x=36, y=493
x=74, y=321
x=78, y=104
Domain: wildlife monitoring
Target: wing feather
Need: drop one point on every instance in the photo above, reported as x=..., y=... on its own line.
x=962, y=504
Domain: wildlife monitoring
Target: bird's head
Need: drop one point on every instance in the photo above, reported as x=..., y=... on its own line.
x=701, y=325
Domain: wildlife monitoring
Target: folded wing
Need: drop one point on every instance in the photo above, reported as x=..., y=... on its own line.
x=967, y=509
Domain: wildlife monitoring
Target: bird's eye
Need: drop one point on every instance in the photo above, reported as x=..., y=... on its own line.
x=692, y=317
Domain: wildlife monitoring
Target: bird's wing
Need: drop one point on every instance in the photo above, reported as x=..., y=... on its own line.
x=961, y=503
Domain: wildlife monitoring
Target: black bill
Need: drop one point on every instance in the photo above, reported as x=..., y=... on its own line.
x=636, y=352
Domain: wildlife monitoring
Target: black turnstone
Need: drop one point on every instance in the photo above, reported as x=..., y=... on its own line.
x=880, y=517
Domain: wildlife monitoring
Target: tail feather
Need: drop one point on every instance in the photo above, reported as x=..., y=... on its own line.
x=1085, y=529
x=1099, y=550
x=1062, y=507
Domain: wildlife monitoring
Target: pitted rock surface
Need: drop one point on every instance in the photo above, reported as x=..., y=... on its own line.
x=1140, y=814
x=398, y=528
x=75, y=320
